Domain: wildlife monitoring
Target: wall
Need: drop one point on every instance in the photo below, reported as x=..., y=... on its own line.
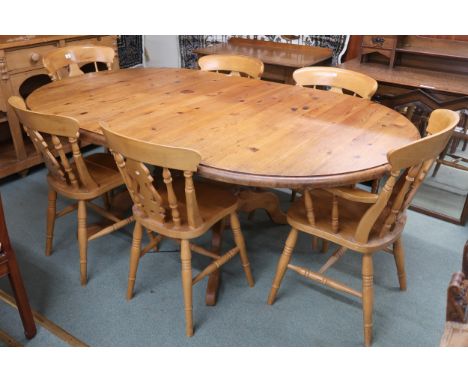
x=161, y=50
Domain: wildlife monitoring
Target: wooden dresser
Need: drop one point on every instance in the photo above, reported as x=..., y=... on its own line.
x=21, y=71
x=416, y=75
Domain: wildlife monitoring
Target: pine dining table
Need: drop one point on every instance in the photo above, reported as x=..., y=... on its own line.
x=248, y=132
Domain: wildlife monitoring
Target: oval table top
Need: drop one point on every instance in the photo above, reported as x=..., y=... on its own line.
x=248, y=132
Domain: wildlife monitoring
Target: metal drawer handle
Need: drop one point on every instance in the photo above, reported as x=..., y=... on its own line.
x=378, y=40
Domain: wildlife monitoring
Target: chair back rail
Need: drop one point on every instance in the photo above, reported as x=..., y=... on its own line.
x=235, y=65
x=132, y=157
x=70, y=57
x=337, y=79
x=76, y=174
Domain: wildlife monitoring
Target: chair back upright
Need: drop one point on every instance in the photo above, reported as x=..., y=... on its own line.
x=64, y=62
x=74, y=174
x=409, y=167
x=337, y=79
x=132, y=157
x=234, y=65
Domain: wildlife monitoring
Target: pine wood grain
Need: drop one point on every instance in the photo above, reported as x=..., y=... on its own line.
x=247, y=132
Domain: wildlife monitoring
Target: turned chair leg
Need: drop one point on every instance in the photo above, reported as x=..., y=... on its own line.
x=240, y=243
x=399, y=255
x=283, y=264
x=293, y=196
x=186, y=258
x=325, y=246
x=314, y=243
x=107, y=198
x=51, y=213
x=82, y=240
x=367, y=296
x=375, y=186
x=134, y=258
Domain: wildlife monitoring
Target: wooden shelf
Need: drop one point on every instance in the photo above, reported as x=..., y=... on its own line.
x=434, y=47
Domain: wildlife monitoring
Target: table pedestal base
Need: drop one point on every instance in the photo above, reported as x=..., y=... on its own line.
x=250, y=200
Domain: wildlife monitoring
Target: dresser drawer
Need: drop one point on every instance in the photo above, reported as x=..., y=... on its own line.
x=383, y=42
x=27, y=58
x=109, y=41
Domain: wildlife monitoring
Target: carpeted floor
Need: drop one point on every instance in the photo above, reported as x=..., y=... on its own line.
x=305, y=314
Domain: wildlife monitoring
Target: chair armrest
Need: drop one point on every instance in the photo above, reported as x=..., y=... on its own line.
x=354, y=194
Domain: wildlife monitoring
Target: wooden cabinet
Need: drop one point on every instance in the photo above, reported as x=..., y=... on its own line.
x=21, y=71
x=384, y=45
x=416, y=75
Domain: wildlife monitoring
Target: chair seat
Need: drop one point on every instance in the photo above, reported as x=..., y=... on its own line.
x=350, y=213
x=103, y=170
x=215, y=201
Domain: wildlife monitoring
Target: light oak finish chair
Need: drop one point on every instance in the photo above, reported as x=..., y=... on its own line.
x=83, y=179
x=174, y=211
x=235, y=65
x=64, y=62
x=365, y=222
x=337, y=79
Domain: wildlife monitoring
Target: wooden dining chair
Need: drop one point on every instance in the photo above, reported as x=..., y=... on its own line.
x=83, y=179
x=233, y=65
x=175, y=210
x=65, y=62
x=337, y=80
x=363, y=221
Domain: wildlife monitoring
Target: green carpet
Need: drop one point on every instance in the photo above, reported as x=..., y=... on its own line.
x=305, y=314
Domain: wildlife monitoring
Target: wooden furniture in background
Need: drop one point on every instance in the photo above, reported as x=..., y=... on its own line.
x=234, y=65
x=21, y=71
x=454, y=160
x=65, y=62
x=9, y=266
x=427, y=73
x=280, y=59
x=247, y=132
x=176, y=211
x=83, y=180
x=456, y=326
x=337, y=79
x=365, y=222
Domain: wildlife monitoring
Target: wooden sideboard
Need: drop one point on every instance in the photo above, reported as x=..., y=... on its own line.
x=280, y=59
x=21, y=71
